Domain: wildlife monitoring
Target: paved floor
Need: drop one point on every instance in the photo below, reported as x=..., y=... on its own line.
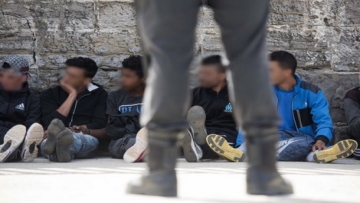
x=104, y=180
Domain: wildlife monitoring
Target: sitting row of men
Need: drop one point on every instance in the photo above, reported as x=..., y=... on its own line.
x=78, y=114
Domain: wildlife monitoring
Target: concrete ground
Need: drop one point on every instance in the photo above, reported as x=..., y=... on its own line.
x=104, y=180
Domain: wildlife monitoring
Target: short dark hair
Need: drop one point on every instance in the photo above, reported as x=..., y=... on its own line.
x=87, y=64
x=214, y=60
x=285, y=59
x=134, y=63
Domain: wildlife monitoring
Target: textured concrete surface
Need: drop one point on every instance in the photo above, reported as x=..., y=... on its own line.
x=104, y=180
x=323, y=34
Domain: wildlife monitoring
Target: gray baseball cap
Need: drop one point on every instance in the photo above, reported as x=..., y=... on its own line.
x=18, y=64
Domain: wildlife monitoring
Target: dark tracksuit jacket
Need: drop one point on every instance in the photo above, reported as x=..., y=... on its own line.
x=352, y=112
x=123, y=110
x=88, y=109
x=22, y=107
x=218, y=109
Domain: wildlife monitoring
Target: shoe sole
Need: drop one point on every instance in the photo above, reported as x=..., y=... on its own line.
x=221, y=147
x=55, y=127
x=137, y=152
x=189, y=148
x=64, y=140
x=340, y=150
x=196, y=118
x=33, y=138
x=16, y=135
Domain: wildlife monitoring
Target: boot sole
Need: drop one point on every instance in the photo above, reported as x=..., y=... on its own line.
x=33, y=138
x=16, y=135
x=189, y=148
x=221, y=147
x=196, y=118
x=340, y=150
x=137, y=152
x=64, y=140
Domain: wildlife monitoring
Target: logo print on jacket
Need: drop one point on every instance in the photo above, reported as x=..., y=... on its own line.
x=228, y=108
x=20, y=107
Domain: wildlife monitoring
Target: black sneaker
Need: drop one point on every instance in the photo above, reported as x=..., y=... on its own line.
x=196, y=118
x=192, y=151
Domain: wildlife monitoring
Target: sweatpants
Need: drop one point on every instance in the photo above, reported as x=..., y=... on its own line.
x=292, y=146
x=167, y=29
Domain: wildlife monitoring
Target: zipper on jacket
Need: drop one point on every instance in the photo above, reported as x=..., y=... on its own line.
x=8, y=107
x=76, y=103
x=292, y=108
x=298, y=114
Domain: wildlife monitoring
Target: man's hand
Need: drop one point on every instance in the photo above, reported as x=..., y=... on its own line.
x=319, y=145
x=81, y=128
x=70, y=90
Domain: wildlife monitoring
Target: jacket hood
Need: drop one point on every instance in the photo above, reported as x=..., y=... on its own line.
x=298, y=83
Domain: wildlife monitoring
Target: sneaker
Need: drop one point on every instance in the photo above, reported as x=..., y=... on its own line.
x=192, y=151
x=340, y=150
x=33, y=138
x=357, y=154
x=137, y=152
x=196, y=118
x=220, y=146
x=12, y=140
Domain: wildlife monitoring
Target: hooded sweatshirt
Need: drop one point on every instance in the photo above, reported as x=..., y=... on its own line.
x=20, y=107
x=88, y=109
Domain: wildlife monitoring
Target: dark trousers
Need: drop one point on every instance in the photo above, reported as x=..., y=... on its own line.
x=354, y=128
x=167, y=29
x=117, y=148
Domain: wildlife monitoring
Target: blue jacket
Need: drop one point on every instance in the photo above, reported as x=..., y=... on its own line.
x=310, y=112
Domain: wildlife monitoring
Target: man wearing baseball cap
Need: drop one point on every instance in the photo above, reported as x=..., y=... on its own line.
x=19, y=112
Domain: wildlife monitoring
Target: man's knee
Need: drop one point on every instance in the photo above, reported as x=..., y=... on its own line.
x=294, y=149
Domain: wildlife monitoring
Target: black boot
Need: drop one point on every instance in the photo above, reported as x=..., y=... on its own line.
x=263, y=177
x=160, y=180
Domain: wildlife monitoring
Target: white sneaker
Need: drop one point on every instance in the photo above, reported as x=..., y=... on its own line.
x=137, y=152
x=12, y=140
x=192, y=151
x=34, y=136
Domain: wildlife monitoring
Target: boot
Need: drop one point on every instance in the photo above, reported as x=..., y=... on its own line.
x=263, y=177
x=160, y=180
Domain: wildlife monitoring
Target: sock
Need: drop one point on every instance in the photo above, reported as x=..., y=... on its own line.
x=310, y=156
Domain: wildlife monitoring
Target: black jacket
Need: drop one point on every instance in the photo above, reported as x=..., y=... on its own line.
x=88, y=109
x=218, y=109
x=20, y=107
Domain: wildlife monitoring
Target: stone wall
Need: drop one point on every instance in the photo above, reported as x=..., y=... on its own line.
x=323, y=34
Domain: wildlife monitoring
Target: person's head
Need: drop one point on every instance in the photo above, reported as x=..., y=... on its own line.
x=212, y=72
x=14, y=72
x=132, y=75
x=282, y=66
x=79, y=72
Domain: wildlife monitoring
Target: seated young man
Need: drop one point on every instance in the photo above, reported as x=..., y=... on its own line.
x=19, y=112
x=123, y=109
x=74, y=113
x=211, y=111
x=352, y=114
x=306, y=128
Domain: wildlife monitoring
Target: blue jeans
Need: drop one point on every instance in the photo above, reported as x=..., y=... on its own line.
x=292, y=146
x=84, y=147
